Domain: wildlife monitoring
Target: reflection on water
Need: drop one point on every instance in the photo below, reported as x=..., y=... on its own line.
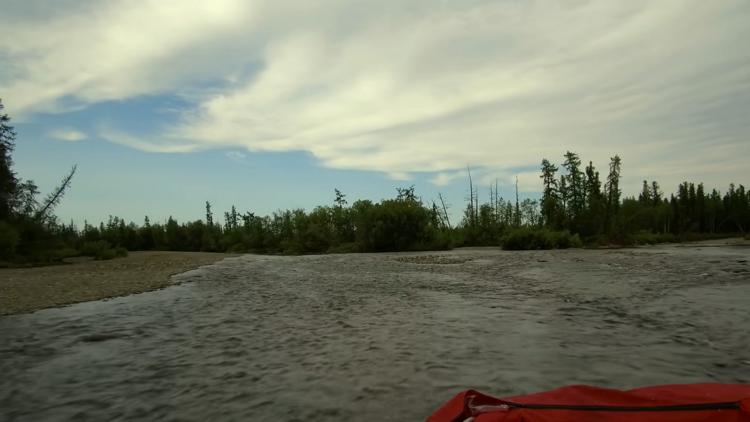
x=380, y=337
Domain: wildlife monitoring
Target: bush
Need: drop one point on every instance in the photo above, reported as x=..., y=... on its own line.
x=291, y=247
x=645, y=238
x=526, y=238
x=648, y=238
x=349, y=247
x=105, y=254
x=65, y=252
x=102, y=250
x=121, y=252
x=95, y=247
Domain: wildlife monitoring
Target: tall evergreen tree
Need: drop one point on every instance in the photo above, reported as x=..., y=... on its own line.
x=645, y=197
x=8, y=180
x=576, y=186
x=701, y=208
x=595, y=205
x=209, y=215
x=612, y=191
x=550, y=194
x=655, y=193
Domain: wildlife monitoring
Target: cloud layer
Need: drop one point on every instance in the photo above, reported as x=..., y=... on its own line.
x=401, y=88
x=70, y=135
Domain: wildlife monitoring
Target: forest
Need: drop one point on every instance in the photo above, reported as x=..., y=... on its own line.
x=577, y=207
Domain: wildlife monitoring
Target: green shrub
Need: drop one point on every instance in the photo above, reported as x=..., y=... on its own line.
x=526, y=238
x=291, y=247
x=94, y=248
x=105, y=254
x=645, y=238
x=121, y=252
x=102, y=250
x=349, y=247
x=111, y=253
x=65, y=252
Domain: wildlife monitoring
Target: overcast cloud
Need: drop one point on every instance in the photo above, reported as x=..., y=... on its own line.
x=403, y=87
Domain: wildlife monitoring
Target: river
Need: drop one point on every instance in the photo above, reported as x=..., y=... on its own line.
x=384, y=337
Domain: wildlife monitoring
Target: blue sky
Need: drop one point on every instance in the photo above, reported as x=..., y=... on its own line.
x=270, y=105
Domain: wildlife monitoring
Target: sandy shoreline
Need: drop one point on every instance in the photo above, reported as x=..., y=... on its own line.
x=30, y=289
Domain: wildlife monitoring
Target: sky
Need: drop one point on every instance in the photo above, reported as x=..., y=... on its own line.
x=166, y=104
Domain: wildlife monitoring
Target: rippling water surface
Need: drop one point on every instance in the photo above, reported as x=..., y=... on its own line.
x=381, y=337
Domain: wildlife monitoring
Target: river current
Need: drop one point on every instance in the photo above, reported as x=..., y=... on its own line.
x=381, y=337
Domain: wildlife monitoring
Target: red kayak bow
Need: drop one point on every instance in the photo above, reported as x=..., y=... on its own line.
x=581, y=403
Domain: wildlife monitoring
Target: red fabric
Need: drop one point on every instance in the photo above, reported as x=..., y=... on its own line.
x=469, y=403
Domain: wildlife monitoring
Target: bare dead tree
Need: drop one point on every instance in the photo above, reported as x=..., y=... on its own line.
x=445, y=211
x=472, y=210
x=53, y=199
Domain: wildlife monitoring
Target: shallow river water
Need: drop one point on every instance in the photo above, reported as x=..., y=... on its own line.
x=381, y=337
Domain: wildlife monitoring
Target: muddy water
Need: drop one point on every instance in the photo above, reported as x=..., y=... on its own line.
x=381, y=337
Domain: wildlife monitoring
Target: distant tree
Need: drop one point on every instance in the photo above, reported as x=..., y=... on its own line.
x=472, y=209
x=612, y=191
x=342, y=220
x=595, y=204
x=406, y=194
x=576, y=187
x=209, y=215
x=563, y=189
x=645, y=196
x=517, y=220
x=231, y=219
x=656, y=194
x=26, y=203
x=700, y=197
x=53, y=199
x=147, y=235
x=340, y=200
x=446, y=219
x=550, y=193
x=529, y=210
x=8, y=180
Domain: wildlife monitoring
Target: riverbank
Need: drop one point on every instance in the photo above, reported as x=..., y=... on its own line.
x=30, y=289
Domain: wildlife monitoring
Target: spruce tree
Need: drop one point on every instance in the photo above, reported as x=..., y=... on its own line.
x=8, y=180
x=612, y=191
x=209, y=215
x=550, y=194
x=576, y=186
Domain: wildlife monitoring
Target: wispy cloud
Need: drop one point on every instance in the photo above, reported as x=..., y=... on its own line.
x=147, y=143
x=236, y=156
x=70, y=135
x=445, y=178
x=401, y=89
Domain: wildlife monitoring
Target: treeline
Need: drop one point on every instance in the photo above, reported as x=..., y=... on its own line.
x=691, y=210
x=399, y=224
x=578, y=206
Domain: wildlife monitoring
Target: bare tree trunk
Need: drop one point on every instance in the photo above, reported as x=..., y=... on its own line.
x=445, y=211
x=472, y=211
x=54, y=198
x=497, y=202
